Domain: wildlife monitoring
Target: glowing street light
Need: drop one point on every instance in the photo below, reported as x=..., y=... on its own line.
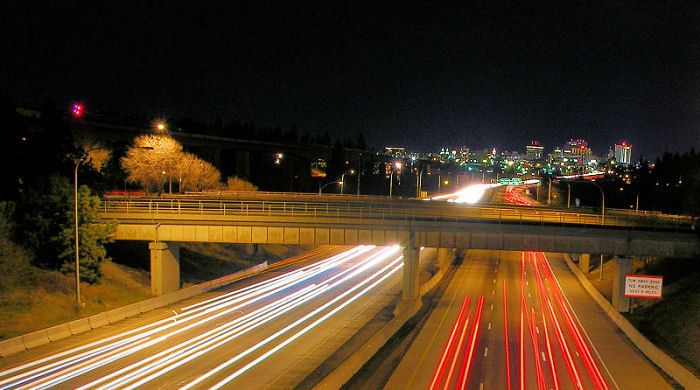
x=398, y=166
x=161, y=126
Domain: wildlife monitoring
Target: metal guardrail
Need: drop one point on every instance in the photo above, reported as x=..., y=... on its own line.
x=384, y=211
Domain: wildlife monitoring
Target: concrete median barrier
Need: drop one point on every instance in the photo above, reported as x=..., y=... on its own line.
x=116, y=315
x=11, y=346
x=35, y=339
x=98, y=320
x=79, y=326
x=58, y=332
x=671, y=367
x=45, y=336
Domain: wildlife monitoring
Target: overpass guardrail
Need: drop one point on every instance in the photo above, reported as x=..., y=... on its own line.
x=395, y=210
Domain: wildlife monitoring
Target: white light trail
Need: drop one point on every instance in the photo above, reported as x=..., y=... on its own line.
x=89, y=358
x=293, y=325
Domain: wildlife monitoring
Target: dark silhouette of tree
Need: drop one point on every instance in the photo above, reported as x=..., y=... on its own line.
x=336, y=162
x=11, y=137
x=325, y=139
x=361, y=144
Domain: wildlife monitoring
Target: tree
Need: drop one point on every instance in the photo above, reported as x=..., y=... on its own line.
x=204, y=176
x=158, y=159
x=237, y=184
x=92, y=236
x=44, y=222
x=152, y=161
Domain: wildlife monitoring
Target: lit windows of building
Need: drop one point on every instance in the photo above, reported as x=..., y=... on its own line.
x=533, y=151
x=623, y=153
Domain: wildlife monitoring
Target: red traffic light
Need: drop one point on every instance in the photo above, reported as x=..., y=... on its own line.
x=77, y=110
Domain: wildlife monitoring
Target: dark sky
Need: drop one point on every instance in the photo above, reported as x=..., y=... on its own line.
x=421, y=76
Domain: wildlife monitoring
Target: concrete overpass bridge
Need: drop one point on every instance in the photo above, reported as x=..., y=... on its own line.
x=349, y=220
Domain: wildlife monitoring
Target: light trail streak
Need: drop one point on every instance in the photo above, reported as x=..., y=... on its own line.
x=227, y=332
x=225, y=338
x=393, y=264
x=581, y=345
x=437, y=377
x=542, y=294
x=265, y=288
x=458, y=348
x=532, y=323
x=505, y=332
x=466, y=363
x=571, y=367
x=522, y=318
x=168, y=324
x=293, y=275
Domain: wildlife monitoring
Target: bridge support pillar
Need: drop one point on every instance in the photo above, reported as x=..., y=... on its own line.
x=444, y=257
x=584, y=262
x=411, y=283
x=623, y=266
x=165, y=267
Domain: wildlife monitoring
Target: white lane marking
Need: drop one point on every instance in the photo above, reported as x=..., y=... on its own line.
x=489, y=326
x=492, y=306
x=537, y=328
x=486, y=351
x=544, y=358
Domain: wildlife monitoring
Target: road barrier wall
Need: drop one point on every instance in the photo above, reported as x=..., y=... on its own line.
x=671, y=367
x=58, y=332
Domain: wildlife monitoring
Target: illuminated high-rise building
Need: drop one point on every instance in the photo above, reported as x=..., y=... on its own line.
x=533, y=151
x=623, y=153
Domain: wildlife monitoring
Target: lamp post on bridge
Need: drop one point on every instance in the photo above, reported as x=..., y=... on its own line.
x=326, y=185
x=602, y=194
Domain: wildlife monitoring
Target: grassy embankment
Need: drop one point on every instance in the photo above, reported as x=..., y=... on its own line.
x=33, y=299
x=673, y=322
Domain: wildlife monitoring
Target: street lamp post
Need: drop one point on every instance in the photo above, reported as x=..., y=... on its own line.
x=326, y=185
x=602, y=194
x=391, y=182
x=342, y=183
x=75, y=211
x=568, y=195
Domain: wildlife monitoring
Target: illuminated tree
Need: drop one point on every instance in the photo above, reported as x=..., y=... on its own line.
x=201, y=175
x=158, y=159
x=152, y=161
x=237, y=184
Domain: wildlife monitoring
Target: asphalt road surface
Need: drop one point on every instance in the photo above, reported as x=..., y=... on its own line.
x=520, y=320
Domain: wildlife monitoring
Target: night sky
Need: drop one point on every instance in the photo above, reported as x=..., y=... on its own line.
x=421, y=76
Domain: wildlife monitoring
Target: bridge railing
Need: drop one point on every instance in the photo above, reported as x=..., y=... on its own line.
x=398, y=211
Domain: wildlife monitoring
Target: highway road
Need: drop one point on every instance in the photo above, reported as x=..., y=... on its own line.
x=520, y=320
x=269, y=332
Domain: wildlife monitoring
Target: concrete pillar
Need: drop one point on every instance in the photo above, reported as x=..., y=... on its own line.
x=584, y=262
x=411, y=283
x=623, y=266
x=251, y=249
x=444, y=257
x=165, y=267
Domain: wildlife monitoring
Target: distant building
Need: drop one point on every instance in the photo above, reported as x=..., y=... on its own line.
x=533, y=151
x=623, y=153
x=395, y=151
